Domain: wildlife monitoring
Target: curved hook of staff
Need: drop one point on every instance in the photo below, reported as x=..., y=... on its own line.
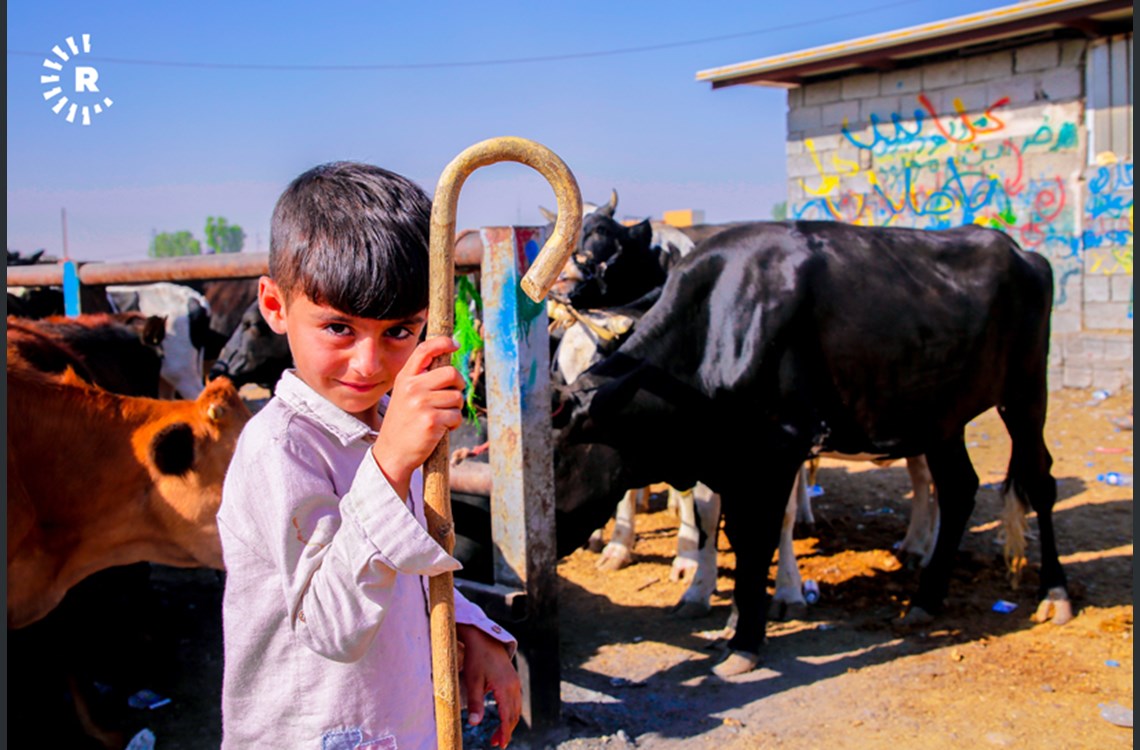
x=441, y=320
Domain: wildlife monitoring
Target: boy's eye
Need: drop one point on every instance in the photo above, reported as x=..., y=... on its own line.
x=399, y=333
x=338, y=329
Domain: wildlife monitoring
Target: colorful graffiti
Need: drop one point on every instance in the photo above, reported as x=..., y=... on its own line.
x=934, y=172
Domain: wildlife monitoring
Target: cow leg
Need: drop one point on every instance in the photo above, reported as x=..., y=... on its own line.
x=619, y=552
x=917, y=546
x=957, y=484
x=805, y=479
x=1031, y=483
x=752, y=524
x=688, y=534
x=699, y=538
x=788, y=601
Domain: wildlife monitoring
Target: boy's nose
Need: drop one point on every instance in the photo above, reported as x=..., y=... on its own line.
x=365, y=356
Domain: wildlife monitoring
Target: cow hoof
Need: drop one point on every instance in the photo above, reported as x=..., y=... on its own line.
x=686, y=610
x=908, y=559
x=614, y=558
x=1055, y=608
x=683, y=569
x=782, y=611
x=917, y=617
x=736, y=663
x=595, y=545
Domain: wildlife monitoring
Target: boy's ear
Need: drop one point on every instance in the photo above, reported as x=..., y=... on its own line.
x=272, y=303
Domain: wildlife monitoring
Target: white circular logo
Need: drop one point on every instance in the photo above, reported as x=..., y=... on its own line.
x=72, y=89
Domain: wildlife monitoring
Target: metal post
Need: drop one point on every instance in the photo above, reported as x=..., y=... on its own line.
x=522, y=501
x=71, y=306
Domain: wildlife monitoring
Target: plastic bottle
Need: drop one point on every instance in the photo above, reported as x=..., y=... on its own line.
x=1115, y=479
x=811, y=591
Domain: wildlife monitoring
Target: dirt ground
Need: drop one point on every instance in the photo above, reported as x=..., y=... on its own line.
x=633, y=675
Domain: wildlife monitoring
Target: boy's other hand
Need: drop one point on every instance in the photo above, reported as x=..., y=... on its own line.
x=488, y=668
x=425, y=404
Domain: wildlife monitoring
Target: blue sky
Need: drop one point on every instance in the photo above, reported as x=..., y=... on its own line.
x=216, y=105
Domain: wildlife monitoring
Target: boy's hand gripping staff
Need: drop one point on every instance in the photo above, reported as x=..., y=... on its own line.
x=441, y=320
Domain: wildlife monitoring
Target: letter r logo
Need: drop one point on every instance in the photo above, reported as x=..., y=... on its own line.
x=85, y=78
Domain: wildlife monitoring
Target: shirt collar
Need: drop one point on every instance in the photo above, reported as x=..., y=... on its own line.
x=302, y=398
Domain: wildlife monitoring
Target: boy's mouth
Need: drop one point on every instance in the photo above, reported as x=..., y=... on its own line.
x=359, y=387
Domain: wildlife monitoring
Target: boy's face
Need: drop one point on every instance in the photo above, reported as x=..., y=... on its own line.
x=350, y=361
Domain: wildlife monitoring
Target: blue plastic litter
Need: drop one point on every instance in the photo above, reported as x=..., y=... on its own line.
x=1114, y=713
x=814, y=491
x=144, y=740
x=147, y=699
x=1001, y=605
x=1112, y=663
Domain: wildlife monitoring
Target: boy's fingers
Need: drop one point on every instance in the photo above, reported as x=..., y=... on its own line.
x=509, y=701
x=443, y=378
x=425, y=353
x=474, y=705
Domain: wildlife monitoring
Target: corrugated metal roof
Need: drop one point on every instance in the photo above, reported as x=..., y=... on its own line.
x=883, y=51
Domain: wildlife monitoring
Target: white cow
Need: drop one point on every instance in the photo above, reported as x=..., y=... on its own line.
x=187, y=317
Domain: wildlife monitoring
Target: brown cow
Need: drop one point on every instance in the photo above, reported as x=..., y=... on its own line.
x=97, y=480
x=121, y=352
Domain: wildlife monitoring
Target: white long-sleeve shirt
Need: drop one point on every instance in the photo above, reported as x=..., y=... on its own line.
x=325, y=613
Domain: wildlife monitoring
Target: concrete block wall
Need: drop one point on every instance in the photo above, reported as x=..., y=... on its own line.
x=998, y=140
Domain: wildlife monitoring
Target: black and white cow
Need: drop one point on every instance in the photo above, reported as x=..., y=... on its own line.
x=187, y=315
x=255, y=353
x=810, y=337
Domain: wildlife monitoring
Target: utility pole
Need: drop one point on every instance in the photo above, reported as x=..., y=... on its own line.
x=63, y=221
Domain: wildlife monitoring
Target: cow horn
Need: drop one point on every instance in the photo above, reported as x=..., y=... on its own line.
x=603, y=333
x=548, y=214
x=610, y=207
x=214, y=412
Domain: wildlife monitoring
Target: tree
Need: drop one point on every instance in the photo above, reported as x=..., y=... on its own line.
x=780, y=211
x=174, y=245
x=222, y=237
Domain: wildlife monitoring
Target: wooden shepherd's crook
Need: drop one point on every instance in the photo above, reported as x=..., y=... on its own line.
x=441, y=321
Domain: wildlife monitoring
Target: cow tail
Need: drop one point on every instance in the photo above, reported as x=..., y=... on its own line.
x=1015, y=527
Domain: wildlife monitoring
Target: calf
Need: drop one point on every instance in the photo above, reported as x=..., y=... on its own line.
x=96, y=479
x=877, y=342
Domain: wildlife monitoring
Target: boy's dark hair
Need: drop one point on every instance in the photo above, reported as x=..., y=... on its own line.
x=354, y=237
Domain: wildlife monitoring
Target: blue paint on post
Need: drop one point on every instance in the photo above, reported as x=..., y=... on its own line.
x=505, y=324
x=531, y=251
x=70, y=289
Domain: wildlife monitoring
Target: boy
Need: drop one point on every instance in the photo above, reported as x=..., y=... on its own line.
x=325, y=617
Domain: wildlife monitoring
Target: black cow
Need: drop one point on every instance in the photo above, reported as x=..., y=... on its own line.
x=228, y=300
x=616, y=264
x=254, y=353
x=811, y=336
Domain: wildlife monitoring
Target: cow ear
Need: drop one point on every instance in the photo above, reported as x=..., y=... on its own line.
x=642, y=233
x=172, y=449
x=199, y=324
x=562, y=403
x=154, y=330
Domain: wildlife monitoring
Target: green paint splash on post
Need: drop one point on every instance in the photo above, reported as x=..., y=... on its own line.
x=468, y=338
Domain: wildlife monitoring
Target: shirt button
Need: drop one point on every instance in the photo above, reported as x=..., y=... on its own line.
x=496, y=629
